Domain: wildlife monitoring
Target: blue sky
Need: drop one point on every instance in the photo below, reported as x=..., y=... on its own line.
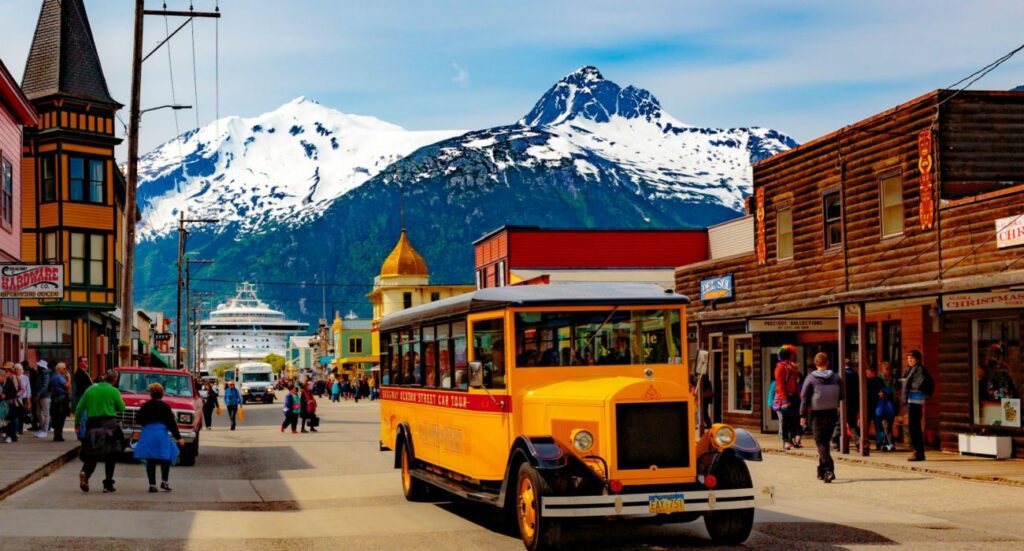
x=805, y=68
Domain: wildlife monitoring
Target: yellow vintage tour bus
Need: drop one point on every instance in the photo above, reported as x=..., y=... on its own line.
x=556, y=402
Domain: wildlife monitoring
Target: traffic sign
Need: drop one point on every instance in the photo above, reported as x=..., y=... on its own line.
x=27, y=324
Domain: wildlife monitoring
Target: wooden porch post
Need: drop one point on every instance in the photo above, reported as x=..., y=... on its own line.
x=844, y=442
x=862, y=378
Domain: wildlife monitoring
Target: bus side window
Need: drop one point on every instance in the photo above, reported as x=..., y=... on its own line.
x=489, y=349
x=444, y=361
x=429, y=358
x=460, y=380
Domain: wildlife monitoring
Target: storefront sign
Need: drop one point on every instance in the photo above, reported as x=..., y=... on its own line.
x=716, y=288
x=32, y=281
x=790, y=325
x=983, y=301
x=1010, y=231
x=761, y=246
x=925, y=180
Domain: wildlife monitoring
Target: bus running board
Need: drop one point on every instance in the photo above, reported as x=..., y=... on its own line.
x=451, y=486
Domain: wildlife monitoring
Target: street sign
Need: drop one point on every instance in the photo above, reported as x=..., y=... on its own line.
x=32, y=281
x=26, y=324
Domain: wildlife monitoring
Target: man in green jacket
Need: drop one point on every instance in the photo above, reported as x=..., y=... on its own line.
x=102, y=439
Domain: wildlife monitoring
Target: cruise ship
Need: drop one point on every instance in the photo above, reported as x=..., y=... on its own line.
x=245, y=329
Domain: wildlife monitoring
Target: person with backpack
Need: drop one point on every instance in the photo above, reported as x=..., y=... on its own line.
x=918, y=385
x=42, y=396
x=819, y=402
x=787, y=397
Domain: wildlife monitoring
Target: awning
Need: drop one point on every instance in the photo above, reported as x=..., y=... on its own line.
x=158, y=357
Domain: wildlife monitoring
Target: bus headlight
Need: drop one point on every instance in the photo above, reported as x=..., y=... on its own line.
x=722, y=436
x=582, y=440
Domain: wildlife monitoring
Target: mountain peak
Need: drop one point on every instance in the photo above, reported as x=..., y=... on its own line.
x=586, y=94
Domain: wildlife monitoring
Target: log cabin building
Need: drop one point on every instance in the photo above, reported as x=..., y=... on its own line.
x=73, y=192
x=902, y=231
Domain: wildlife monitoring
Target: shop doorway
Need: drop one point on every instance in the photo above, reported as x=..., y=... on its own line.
x=769, y=358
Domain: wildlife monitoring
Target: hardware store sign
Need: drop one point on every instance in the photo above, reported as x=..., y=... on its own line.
x=29, y=281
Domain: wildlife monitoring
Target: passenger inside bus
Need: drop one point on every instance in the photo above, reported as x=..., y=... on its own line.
x=620, y=354
x=494, y=367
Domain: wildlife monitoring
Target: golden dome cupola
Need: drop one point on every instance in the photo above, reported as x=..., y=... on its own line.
x=404, y=261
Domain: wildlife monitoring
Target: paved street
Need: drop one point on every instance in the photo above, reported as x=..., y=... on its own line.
x=263, y=489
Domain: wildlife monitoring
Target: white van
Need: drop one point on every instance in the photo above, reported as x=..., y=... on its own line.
x=255, y=381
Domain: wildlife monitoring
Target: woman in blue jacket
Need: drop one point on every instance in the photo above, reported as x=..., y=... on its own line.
x=232, y=399
x=156, y=446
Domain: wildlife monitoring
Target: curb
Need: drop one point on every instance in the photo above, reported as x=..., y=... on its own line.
x=39, y=473
x=904, y=468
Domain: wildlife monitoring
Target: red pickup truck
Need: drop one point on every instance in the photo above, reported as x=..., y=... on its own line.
x=179, y=392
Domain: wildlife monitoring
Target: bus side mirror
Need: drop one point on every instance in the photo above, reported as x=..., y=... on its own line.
x=476, y=374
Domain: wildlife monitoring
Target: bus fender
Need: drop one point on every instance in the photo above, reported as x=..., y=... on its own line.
x=541, y=452
x=403, y=437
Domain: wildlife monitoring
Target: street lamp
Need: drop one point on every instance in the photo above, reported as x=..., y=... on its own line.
x=174, y=107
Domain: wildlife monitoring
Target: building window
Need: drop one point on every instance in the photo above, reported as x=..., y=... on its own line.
x=479, y=279
x=49, y=177
x=435, y=296
x=85, y=179
x=741, y=373
x=355, y=346
x=50, y=247
x=501, y=273
x=832, y=214
x=7, y=188
x=784, y=233
x=891, y=204
x=998, y=372
x=87, y=259
x=406, y=301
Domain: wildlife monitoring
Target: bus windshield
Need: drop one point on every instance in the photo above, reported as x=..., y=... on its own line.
x=137, y=382
x=255, y=377
x=597, y=337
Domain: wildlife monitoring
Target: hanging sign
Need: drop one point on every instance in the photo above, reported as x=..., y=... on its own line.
x=762, y=246
x=925, y=180
x=789, y=325
x=716, y=288
x=982, y=301
x=1010, y=231
x=32, y=281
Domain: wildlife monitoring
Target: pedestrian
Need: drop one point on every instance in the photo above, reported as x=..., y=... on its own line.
x=371, y=384
x=159, y=439
x=25, y=397
x=852, y=403
x=10, y=392
x=100, y=434
x=787, y=397
x=917, y=387
x=292, y=407
x=305, y=397
x=82, y=381
x=335, y=390
x=32, y=376
x=232, y=399
x=819, y=401
x=888, y=406
x=60, y=400
x=210, y=404
x=43, y=399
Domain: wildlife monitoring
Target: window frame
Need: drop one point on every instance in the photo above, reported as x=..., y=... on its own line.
x=826, y=223
x=86, y=183
x=406, y=300
x=48, y=162
x=733, y=395
x=976, y=414
x=786, y=205
x=6, y=195
x=884, y=175
x=88, y=259
x=472, y=320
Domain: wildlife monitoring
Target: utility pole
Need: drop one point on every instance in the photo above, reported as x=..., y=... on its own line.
x=130, y=203
x=188, y=301
x=182, y=239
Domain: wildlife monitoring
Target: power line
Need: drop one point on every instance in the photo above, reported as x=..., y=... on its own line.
x=170, y=69
x=983, y=71
x=195, y=81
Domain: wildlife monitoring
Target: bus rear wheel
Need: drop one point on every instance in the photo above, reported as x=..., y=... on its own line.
x=537, y=532
x=733, y=526
x=413, y=488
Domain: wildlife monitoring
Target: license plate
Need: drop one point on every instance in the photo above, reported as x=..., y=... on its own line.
x=666, y=503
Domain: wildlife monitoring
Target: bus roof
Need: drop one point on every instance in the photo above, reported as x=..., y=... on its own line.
x=559, y=294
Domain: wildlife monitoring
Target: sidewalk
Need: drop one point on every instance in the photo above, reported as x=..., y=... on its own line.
x=948, y=465
x=30, y=458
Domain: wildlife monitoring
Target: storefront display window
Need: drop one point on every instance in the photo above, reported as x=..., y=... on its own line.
x=741, y=373
x=998, y=372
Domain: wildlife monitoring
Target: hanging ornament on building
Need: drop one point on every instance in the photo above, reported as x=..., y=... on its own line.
x=925, y=180
x=762, y=247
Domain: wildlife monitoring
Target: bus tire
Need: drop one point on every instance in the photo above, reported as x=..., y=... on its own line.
x=731, y=527
x=413, y=488
x=538, y=533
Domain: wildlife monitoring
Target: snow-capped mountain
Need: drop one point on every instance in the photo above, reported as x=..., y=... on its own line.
x=589, y=154
x=286, y=165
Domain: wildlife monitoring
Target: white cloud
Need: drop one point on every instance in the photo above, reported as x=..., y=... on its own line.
x=461, y=75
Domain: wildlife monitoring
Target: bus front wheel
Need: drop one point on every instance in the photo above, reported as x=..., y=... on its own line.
x=536, y=531
x=413, y=488
x=731, y=527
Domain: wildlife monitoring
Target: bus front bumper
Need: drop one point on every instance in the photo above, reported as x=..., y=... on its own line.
x=640, y=505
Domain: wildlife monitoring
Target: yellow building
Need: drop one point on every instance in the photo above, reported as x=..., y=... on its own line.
x=72, y=191
x=404, y=282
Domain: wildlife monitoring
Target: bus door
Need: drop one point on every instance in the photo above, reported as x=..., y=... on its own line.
x=484, y=419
